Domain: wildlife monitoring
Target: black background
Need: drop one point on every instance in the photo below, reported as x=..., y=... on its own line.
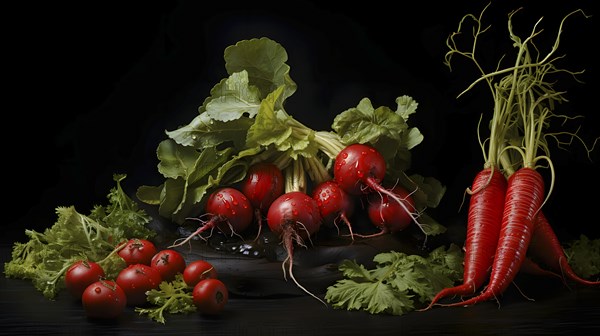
x=94, y=85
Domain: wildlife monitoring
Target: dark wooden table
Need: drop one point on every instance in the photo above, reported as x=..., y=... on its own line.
x=552, y=309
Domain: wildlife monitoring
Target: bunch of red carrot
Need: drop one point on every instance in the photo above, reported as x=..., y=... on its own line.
x=506, y=225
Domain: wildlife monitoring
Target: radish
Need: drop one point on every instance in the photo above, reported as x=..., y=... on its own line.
x=295, y=217
x=334, y=204
x=229, y=210
x=360, y=169
x=389, y=217
x=262, y=185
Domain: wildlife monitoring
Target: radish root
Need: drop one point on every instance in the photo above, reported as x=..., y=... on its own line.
x=290, y=236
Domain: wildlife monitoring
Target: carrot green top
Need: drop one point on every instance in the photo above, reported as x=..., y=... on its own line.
x=524, y=98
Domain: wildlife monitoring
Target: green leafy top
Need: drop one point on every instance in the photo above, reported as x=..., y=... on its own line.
x=396, y=282
x=46, y=256
x=244, y=120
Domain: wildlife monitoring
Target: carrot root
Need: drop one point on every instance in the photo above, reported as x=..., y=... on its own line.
x=524, y=198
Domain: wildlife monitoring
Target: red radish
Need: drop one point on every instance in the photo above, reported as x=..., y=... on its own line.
x=230, y=211
x=483, y=229
x=360, y=169
x=295, y=217
x=547, y=248
x=334, y=203
x=389, y=217
x=524, y=198
x=262, y=185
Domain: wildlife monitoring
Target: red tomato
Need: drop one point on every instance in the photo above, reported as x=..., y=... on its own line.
x=138, y=251
x=136, y=280
x=198, y=270
x=80, y=275
x=103, y=299
x=210, y=296
x=168, y=263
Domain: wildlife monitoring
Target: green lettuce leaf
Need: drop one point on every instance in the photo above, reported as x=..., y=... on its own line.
x=397, y=280
x=47, y=255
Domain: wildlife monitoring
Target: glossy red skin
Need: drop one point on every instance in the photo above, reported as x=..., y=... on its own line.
x=294, y=211
x=231, y=209
x=138, y=251
x=354, y=165
x=524, y=197
x=104, y=299
x=484, y=219
x=388, y=214
x=198, y=270
x=332, y=201
x=210, y=296
x=80, y=275
x=546, y=247
x=262, y=185
x=168, y=263
x=135, y=280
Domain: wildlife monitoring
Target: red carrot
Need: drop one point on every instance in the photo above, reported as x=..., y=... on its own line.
x=533, y=268
x=546, y=247
x=483, y=229
x=524, y=198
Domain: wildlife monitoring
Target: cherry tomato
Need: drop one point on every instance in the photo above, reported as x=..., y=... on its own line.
x=210, y=296
x=198, y=270
x=138, y=251
x=80, y=275
x=103, y=299
x=169, y=263
x=135, y=280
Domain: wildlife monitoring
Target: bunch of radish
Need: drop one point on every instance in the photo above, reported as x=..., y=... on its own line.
x=506, y=227
x=244, y=159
